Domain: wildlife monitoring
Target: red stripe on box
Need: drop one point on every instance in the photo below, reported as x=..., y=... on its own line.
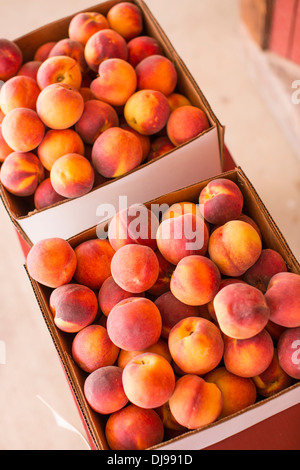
x=282, y=26
x=295, y=48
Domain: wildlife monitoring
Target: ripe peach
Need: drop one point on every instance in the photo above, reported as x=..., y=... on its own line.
x=156, y=72
x=21, y=173
x=115, y=152
x=30, y=68
x=162, y=284
x=135, y=268
x=59, y=69
x=22, y=129
x=274, y=330
x=126, y=18
x=237, y=392
x=72, y=175
x=289, y=352
x=70, y=48
x=110, y=294
x=171, y=426
x=5, y=149
x=245, y=218
x=144, y=139
x=59, y=106
x=284, y=309
x=268, y=264
x=93, y=262
x=196, y=345
x=45, y=195
x=195, y=402
x=223, y=283
x=148, y=380
x=1, y=115
x=19, y=92
x=248, y=357
x=234, y=247
x=83, y=25
x=273, y=379
x=11, y=59
x=185, y=123
x=97, y=117
x=180, y=208
x=160, y=347
x=176, y=100
x=103, y=390
x=195, y=280
x=103, y=45
x=141, y=47
x=147, y=111
x=51, y=262
x=134, y=324
x=86, y=93
x=43, y=51
x=160, y=146
x=134, y=428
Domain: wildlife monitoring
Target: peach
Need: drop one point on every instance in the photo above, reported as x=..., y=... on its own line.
x=115, y=83
x=97, y=116
x=148, y=380
x=195, y=402
x=160, y=146
x=59, y=106
x=72, y=175
x=289, y=352
x=237, y=392
x=141, y=47
x=83, y=25
x=126, y=18
x=248, y=357
x=22, y=129
x=195, y=280
x=93, y=262
x=135, y=268
x=43, y=51
x=51, y=262
x=59, y=69
x=171, y=426
x=92, y=348
x=176, y=100
x=234, y=247
x=21, y=173
x=196, y=345
x=180, y=208
x=160, y=347
x=223, y=283
x=73, y=307
x=273, y=379
x=86, y=93
x=186, y=123
x=268, y=264
x=103, y=45
x=70, y=48
x=156, y=72
x=249, y=220
x=110, y=294
x=30, y=68
x=103, y=390
x=45, y=195
x=147, y=111
x=1, y=115
x=116, y=152
x=221, y=200
x=172, y=311
x=144, y=139
x=5, y=149
x=166, y=269
x=19, y=92
x=11, y=59
x=285, y=309
x=133, y=428
x=134, y=324
x=274, y=330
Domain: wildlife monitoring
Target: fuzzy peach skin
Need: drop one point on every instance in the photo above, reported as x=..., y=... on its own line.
x=51, y=262
x=21, y=173
x=234, y=247
x=115, y=83
x=176, y=100
x=97, y=117
x=134, y=324
x=83, y=25
x=11, y=59
x=274, y=330
x=160, y=146
x=43, y=51
x=45, y=195
x=268, y=264
x=196, y=345
x=70, y=48
x=185, y=123
x=30, y=68
x=161, y=347
x=72, y=175
x=92, y=348
x=115, y=152
x=144, y=139
x=195, y=280
x=223, y=283
x=156, y=72
x=245, y=218
x=248, y=357
x=148, y=380
x=147, y=111
x=273, y=379
x=171, y=426
x=19, y=92
x=241, y=310
x=180, y=208
x=93, y=262
x=126, y=18
x=22, y=129
x=134, y=428
x=73, y=307
x=104, y=391
x=141, y=47
x=110, y=294
x=221, y=200
x=59, y=69
x=195, y=402
x=162, y=284
x=59, y=106
x=103, y=45
x=289, y=352
x=237, y=392
x=5, y=149
x=135, y=268
x=284, y=309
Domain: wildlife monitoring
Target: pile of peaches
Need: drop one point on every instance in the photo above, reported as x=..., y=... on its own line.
x=89, y=107
x=172, y=336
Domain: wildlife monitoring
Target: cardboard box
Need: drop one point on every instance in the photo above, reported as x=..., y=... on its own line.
x=199, y=159
x=221, y=429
